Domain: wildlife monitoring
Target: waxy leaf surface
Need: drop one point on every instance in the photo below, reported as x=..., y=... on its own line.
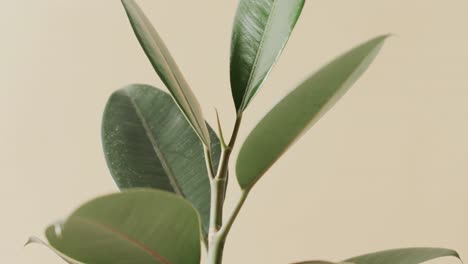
x=134, y=227
x=299, y=110
x=166, y=67
x=148, y=143
x=261, y=30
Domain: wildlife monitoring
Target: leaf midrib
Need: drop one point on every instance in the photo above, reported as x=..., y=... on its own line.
x=124, y=237
x=154, y=143
x=259, y=53
x=301, y=132
x=147, y=27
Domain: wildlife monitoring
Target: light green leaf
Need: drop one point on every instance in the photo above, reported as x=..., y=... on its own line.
x=404, y=256
x=261, y=30
x=397, y=256
x=148, y=143
x=301, y=109
x=167, y=69
x=134, y=227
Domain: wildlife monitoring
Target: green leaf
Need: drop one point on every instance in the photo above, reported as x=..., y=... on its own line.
x=261, y=30
x=167, y=69
x=148, y=143
x=317, y=262
x=299, y=110
x=397, y=256
x=404, y=256
x=134, y=227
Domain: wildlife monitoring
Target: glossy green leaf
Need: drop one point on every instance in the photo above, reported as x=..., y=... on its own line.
x=397, y=256
x=167, y=69
x=148, y=143
x=261, y=30
x=134, y=227
x=299, y=110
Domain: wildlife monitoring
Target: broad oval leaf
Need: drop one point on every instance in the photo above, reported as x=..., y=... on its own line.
x=167, y=69
x=261, y=30
x=148, y=143
x=134, y=227
x=299, y=110
x=397, y=256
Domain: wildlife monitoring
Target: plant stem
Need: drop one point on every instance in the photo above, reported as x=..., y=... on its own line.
x=215, y=245
x=216, y=249
x=216, y=209
x=216, y=240
x=235, y=131
x=226, y=153
x=215, y=254
x=227, y=226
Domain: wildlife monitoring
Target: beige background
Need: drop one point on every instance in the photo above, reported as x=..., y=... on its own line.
x=387, y=167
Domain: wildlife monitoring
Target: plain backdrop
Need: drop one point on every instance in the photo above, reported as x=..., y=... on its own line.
x=387, y=167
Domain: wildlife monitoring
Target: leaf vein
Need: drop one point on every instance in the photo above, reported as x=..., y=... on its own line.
x=165, y=164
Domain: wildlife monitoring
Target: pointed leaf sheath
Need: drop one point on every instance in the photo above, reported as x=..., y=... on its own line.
x=299, y=110
x=134, y=227
x=261, y=30
x=400, y=256
x=167, y=69
x=148, y=143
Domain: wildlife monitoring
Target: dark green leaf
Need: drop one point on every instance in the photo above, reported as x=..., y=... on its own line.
x=148, y=143
x=167, y=69
x=301, y=109
x=134, y=227
x=397, y=256
x=261, y=30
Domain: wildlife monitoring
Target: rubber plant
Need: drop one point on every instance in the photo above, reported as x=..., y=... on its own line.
x=172, y=167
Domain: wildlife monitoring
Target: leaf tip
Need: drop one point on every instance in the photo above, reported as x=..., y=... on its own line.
x=457, y=255
x=382, y=38
x=31, y=240
x=34, y=240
